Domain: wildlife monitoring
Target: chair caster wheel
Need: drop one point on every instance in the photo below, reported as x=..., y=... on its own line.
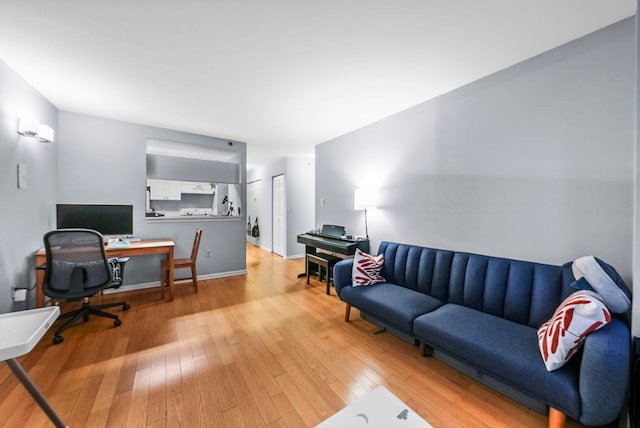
x=57, y=339
x=117, y=322
x=125, y=307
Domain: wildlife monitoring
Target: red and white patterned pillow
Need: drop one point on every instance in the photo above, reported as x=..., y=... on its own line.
x=578, y=315
x=366, y=269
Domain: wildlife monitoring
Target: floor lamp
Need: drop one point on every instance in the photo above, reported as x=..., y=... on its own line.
x=364, y=199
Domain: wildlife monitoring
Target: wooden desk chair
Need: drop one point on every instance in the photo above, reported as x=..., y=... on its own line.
x=182, y=264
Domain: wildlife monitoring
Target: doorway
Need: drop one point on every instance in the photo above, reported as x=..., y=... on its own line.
x=254, y=204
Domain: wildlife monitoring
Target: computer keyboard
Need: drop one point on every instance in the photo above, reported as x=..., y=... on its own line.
x=122, y=238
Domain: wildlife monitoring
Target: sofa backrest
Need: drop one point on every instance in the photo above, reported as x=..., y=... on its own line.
x=523, y=292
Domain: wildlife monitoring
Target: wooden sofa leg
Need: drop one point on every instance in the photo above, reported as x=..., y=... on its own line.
x=426, y=350
x=347, y=312
x=557, y=419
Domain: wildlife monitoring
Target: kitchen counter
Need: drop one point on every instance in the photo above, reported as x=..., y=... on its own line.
x=175, y=216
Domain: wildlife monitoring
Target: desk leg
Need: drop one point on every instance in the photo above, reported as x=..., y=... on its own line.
x=22, y=376
x=170, y=261
x=39, y=293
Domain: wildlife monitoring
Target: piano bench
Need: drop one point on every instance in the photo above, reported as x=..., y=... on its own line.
x=324, y=261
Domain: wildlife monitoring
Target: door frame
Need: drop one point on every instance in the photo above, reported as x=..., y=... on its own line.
x=282, y=207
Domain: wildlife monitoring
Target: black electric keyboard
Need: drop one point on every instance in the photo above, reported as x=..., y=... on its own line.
x=332, y=239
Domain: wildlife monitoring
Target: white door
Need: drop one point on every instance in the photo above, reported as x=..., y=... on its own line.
x=279, y=232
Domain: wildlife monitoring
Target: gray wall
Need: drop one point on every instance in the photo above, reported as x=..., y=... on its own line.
x=26, y=214
x=92, y=160
x=636, y=231
x=104, y=161
x=300, y=202
x=535, y=162
x=299, y=199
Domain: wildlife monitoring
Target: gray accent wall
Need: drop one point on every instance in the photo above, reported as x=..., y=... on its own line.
x=535, y=162
x=26, y=214
x=104, y=161
x=92, y=160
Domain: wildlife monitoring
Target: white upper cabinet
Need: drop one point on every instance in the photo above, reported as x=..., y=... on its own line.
x=165, y=190
x=197, y=187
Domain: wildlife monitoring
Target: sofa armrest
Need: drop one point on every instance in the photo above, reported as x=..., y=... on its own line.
x=604, y=373
x=342, y=274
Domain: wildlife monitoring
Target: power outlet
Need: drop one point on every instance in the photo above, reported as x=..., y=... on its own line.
x=19, y=294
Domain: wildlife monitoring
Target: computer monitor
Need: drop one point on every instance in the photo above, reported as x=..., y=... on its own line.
x=106, y=219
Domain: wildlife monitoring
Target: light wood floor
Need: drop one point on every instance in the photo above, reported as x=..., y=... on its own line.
x=256, y=350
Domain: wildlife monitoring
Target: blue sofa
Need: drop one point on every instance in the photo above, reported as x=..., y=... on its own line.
x=481, y=315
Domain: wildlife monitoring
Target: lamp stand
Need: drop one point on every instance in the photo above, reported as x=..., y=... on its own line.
x=366, y=226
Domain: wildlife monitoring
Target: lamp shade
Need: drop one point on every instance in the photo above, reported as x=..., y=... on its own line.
x=364, y=199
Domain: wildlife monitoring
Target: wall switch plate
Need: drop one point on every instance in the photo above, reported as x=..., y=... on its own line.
x=22, y=176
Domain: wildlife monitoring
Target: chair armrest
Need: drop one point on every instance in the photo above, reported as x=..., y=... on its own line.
x=604, y=373
x=342, y=274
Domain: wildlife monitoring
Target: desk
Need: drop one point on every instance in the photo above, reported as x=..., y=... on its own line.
x=142, y=248
x=19, y=333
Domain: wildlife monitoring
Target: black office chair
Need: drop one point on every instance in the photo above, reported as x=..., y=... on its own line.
x=77, y=268
x=117, y=271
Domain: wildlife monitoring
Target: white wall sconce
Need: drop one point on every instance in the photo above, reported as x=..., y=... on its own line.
x=31, y=128
x=45, y=133
x=27, y=126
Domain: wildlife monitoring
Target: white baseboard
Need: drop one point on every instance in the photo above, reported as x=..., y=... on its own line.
x=223, y=274
x=144, y=285
x=295, y=256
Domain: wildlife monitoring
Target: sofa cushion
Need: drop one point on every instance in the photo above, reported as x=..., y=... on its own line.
x=504, y=349
x=396, y=305
x=366, y=269
x=560, y=338
x=601, y=278
x=519, y=291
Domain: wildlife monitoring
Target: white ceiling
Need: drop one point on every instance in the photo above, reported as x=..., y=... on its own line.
x=280, y=75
